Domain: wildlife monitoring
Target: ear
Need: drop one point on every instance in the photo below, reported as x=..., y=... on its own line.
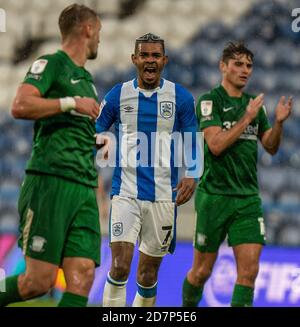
x=222, y=66
x=166, y=59
x=88, y=30
x=133, y=58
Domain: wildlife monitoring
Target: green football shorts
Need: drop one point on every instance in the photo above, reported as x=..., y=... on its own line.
x=217, y=216
x=59, y=218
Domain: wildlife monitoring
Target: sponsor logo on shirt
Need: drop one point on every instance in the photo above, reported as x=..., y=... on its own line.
x=250, y=133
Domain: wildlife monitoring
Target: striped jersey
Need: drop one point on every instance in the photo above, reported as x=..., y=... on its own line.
x=145, y=124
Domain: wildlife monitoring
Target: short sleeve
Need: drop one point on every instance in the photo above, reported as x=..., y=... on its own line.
x=264, y=123
x=109, y=109
x=42, y=73
x=186, y=108
x=207, y=112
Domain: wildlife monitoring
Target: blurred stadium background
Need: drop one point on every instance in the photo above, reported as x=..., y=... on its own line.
x=195, y=32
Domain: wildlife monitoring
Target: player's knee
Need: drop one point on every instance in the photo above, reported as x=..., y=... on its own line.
x=119, y=272
x=147, y=277
x=33, y=285
x=249, y=272
x=89, y=275
x=82, y=277
x=202, y=274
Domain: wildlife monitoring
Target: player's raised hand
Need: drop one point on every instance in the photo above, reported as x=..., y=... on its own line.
x=254, y=106
x=87, y=106
x=283, y=109
x=185, y=189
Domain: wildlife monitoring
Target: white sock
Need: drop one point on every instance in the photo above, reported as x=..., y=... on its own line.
x=140, y=301
x=114, y=294
x=145, y=296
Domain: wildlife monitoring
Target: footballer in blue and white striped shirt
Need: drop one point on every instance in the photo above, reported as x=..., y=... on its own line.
x=149, y=114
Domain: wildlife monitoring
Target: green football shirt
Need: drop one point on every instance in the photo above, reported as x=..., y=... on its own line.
x=234, y=172
x=63, y=144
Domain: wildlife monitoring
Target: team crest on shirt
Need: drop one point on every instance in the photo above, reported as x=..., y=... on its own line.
x=38, y=66
x=166, y=109
x=117, y=229
x=206, y=108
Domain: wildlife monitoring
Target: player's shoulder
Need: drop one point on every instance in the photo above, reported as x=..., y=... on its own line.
x=113, y=95
x=182, y=94
x=211, y=95
x=51, y=57
x=115, y=89
x=45, y=61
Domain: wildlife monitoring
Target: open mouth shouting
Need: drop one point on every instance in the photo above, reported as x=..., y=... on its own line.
x=150, y=73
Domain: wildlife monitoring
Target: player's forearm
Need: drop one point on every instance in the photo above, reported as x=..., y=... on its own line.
x=272, y=142
x=33, y=107
x=225, y=139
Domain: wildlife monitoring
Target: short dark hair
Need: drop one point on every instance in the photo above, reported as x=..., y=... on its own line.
x=236, y=48
x=72, y=16
x=149, y=38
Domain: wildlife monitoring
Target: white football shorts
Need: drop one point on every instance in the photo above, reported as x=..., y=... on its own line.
x=150, y=223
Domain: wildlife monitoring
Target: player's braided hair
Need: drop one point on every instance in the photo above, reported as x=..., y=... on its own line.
x=233, y=49
x=149, y=38
x=72, y=16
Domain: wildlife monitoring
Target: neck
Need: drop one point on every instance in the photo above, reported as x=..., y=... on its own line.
x=76, y=51
x=146, y=86
x=232, y=90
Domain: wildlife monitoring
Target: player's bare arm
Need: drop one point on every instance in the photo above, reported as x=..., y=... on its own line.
x=29, y=104
x=272, y=137
x=219, y=140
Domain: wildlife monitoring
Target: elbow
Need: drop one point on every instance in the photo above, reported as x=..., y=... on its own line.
x=17, y=108
x=272, y=149
x=15, y=112
x=216, y=150
x=272, y=152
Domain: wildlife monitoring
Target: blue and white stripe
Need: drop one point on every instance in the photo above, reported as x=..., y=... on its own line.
x=135, y=111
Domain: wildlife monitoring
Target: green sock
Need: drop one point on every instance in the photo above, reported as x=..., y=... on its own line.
x=191, y=295
x=72, y=300
x=242, y=296
x=11, y=293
